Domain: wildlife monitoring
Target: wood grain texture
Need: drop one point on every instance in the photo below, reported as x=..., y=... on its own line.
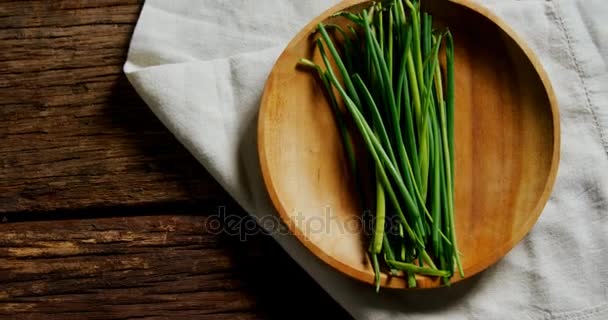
x=150, y=267
x=506, y=137
x=73, y=132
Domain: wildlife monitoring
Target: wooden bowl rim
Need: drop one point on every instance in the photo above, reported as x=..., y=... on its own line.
x=398, y=282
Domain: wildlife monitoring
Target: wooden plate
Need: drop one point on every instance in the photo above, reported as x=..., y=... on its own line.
x=506, y=135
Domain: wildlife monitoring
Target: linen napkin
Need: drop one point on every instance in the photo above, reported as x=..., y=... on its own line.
x=201, y=65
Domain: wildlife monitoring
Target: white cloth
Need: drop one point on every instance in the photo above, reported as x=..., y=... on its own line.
x=201, y=65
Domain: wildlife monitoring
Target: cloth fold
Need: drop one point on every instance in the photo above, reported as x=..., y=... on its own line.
x=201, y=65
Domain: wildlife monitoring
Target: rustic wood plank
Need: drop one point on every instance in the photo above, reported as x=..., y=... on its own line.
x=77, y=142
x=151, y=267
x=73, y=133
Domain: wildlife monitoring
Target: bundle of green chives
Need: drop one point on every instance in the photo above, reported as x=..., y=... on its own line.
x=386, y=79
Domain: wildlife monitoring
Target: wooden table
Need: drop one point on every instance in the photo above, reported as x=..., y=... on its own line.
x=104, y=214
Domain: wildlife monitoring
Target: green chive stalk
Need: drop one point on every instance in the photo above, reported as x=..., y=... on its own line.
x=386, y=83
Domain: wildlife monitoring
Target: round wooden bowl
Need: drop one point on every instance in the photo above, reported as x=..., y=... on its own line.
x=507, y=142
